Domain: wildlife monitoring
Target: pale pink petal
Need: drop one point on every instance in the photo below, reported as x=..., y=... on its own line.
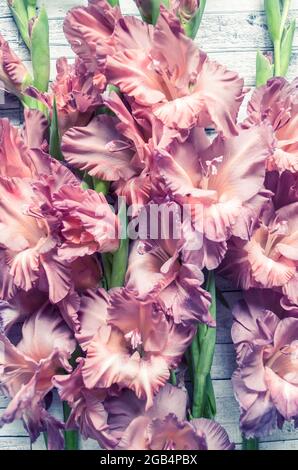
x=283, y=394
x=94, y=148
x=216, y=436
x=131, y=70
x=92, y=315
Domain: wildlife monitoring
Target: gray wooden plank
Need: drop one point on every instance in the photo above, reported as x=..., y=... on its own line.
x=219, y=32
x=224, y=317
x=224, y=361
x=13, y=429
x=56, y=8
x=228, y=415
x=213, y=6
x=15, y=443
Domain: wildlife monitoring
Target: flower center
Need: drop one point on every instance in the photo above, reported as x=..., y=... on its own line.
x=275, y=234
x=135, y=339
x=284, y=361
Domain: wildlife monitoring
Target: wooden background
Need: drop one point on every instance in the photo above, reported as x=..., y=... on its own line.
x=231, y=32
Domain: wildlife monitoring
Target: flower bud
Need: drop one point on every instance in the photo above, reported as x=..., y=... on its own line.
x=149, y=9
x=286, y=47
x=187, y=8
x=190, y=13
x=13, y=73
x=19, y=12
x=40, y=51
x=264, y=69
x=272, y=8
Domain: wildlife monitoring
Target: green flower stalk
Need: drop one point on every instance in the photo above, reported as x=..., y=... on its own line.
x=119, y=264
x=71, y=438
x=19, y=12
x=202, y=352
x=55, y=141
x=280, y=33
x=250, y=444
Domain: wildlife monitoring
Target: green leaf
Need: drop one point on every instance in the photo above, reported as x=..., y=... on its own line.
x=40, y=51
x=264, y=69
x=192, y=26
x=19, y=13
x=273, y=13
x=113, y=3
x=286, y=47
x=55, y=149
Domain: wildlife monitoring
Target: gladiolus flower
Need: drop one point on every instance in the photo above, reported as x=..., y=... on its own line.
x=164, y=425
x=166, y=269
x=87, y=408
x=266, y=380
x=118, y=149
x=13, y=73
x=222, y=185
x=76, y=96
x=128, y=342
x=269, y=258
x=276, y=103
x=27, y=369
x=175, y=80
x=89, y=31
x=47, y=221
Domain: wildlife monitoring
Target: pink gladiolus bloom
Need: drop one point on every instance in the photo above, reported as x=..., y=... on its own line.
x=277, y=104
x=118, y=149
x=87, y=408
x=27, y=369
x=76, y=96
x=174, y=79
x=266, y=380
x=223, y=183
x=89, y=31
x=47, y=221
x=166, y=269
x=164, y=425
x=128, y=342
x=269, y=258
x=13, y=73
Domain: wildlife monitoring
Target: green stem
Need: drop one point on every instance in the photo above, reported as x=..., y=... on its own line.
x=107, y=268
x=277, y=70
x=121, y=255
x=173, y=378
x=250, y=444
x=71, y=438
x=202, y=351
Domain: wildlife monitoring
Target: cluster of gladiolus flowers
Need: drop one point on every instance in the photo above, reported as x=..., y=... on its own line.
x=133, y=111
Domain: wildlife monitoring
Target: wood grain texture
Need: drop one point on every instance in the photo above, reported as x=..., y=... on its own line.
x=231, y=32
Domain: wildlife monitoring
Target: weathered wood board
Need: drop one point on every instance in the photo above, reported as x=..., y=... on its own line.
x=231, y=32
